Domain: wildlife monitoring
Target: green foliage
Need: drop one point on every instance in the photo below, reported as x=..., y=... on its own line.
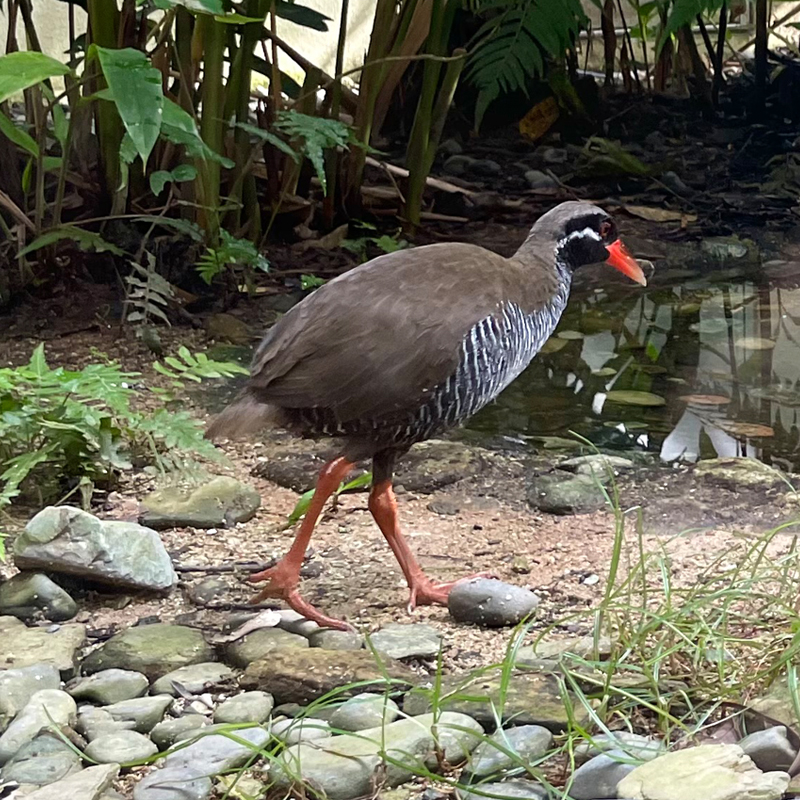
x=24, y=69
x=511, y=46
x=148, y=294
x=181, y=173
x=197, y=367
x=685, y=12
x=317, y=135
x=60, y=427
x=86, y=240
x=308, y=282
x=388, y=244
x=232, y=251
x=305, y=499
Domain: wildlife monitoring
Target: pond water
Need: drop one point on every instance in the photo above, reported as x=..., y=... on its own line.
x=691, y=367
x=704, y=362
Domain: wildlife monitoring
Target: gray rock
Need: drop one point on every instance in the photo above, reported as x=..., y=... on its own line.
x=364, y=710
x=710, y=772
x=770, y=749
x=302, y=729
x=633, y=745
x=597, y=464
x=329, y=639
x=153, y=650
x=512, y=790
x=584, y=647
x=246, y=707
x=739, y=473
x=486, y=167
x=30, y=594
x=674, y=182
x=195, y=678
x=259, y=644
x=184, y=775
x=46, y=708
x=540, y=180
x=344, y=769
x=458, y=164
x=529, y=742
x=45, y=759
x=70, y=541
x=169, y=731
x=450, y=147
x=220, y=503
x=293, y=622
x=122, y=747
x=414, y=640
x=88, y=784
x=93, y=722
x=490, y=603
x=598, y=778
x=554, y=155
x=143, y=712
x=27, y=647
x=109, y=686
x=208, y=590
x=17, y=686
x=561, y=493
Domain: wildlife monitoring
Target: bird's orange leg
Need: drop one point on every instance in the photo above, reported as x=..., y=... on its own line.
x=284, y=577
x=422, y=590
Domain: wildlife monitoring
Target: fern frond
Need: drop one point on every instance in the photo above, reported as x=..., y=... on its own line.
x=510, y=47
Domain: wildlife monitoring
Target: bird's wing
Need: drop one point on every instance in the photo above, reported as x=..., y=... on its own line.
x=374, y=340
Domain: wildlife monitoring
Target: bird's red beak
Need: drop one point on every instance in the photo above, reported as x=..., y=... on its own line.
x=621, y=259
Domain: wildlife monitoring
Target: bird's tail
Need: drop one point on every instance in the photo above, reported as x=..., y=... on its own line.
x=244, y=416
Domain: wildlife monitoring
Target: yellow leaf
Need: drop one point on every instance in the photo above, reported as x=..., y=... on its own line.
x=539, y=119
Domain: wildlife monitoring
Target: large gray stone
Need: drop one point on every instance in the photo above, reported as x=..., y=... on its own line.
x=71, y=541
x=562, y=493
x=185, y=774
x=345, y=768
x=45, y=759
x=363, y=711
x=599, y=777
x=739, y=473
x=329, y=639
x=301, y=729
x=46, y=708
x=707, y=772
x=17, y=686
x=94, y=722
x=88, y=784
x=584, y=647
x=194, y=678
x=153, y=650
x=245, y=707
x=529, y=742
x=597, y=464
x=634, y=745
x=31, y=594
x=26, y=647
x=109, y=686
x=122, y=747
x=770, y=749
x=511, y=790
x=411, y=640
x=143, y=712
x=219, y=503
x=490, y=603
x=169, y=731
x=260, y=644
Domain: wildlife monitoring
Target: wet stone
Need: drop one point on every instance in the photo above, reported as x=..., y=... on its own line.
x=169, y=731
x=194, y=678
x=259, y=644
x=143, y=712
x=25, y=647
x=364, y=710
x=108, y=686
x=45, y=759
x=414, y=640
x=770, y=749
x=329, y=639
x=491, y=603
x=28, y=595
x=529, y=742
x=121, y=747
x=153, y=650
x=245, y=707
x=220, y=503
x=46, y=707
x=17, y=686
x=599, y=777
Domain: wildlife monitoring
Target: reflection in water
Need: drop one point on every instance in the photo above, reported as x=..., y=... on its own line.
x=692, y=370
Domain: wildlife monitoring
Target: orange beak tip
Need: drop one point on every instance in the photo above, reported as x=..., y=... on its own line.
x=622, y=260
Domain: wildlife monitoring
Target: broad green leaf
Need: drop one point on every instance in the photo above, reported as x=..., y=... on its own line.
x=24, y=69
x=38, y=363
x=197, y=6
x=301, y=15
x=181, y=225
x=236, y=19
x=136, y=86
x=159, y=179
x=60, y=124
x=18, y=136
x=180, y=128
x=86, y=240
x=269, y=137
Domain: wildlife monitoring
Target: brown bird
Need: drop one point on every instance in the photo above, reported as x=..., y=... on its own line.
x=402, y=348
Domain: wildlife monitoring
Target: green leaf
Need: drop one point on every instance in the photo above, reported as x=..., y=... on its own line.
x=60, y=124
x=196, y=6
x=86, y=240
x=183, y=226
x=271, y=138
x=301, y=15
x=136, y=86
x=180, y=128
x=236, y=19
x=18, y=136
x=26, y=68
x=159, y=179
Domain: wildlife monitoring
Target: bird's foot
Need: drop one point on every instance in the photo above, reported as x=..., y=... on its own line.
x=424, y=592
x=282, y=581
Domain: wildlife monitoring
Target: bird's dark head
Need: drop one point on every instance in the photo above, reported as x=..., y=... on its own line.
x=580, y=234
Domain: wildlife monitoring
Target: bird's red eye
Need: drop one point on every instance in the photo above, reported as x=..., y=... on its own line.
x=605, y=229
